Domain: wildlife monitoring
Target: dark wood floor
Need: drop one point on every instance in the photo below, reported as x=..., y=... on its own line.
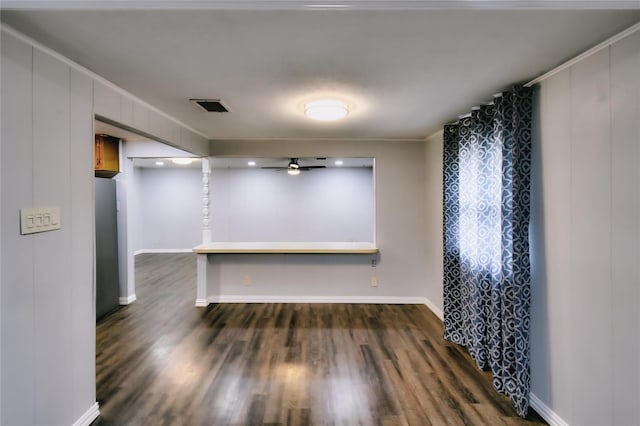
x=161, y=361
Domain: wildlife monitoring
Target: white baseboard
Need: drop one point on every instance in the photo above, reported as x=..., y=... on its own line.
x=143, y=251
x=89, y=416
x=202, y=303
x=314, y=299
x=437, y=311
x=545, y=412
x=541, y=408
x=127, y=300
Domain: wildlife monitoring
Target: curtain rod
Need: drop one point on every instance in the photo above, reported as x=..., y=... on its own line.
x=608, y=42
x=595, y=49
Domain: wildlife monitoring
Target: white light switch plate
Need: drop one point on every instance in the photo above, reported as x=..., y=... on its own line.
x=40, y=219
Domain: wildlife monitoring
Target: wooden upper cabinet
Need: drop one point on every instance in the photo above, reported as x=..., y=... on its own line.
x=106, y=156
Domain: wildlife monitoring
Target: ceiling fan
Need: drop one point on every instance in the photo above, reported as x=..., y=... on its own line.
x=294, y=168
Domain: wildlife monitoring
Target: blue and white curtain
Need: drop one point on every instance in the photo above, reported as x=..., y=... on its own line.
x=487, y=165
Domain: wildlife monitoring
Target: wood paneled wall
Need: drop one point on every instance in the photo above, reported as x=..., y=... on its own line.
x=586, y=239
x=47, y=317
x=48, y=325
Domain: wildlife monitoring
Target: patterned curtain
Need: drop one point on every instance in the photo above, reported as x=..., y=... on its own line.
x=487, y=164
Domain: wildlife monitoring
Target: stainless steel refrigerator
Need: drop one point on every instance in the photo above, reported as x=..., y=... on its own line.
x=107, y=279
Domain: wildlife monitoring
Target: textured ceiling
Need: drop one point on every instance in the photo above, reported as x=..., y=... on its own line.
x=404, y=73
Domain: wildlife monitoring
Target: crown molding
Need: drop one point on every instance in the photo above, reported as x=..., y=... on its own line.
x=37, y=45
x=581, y=57
x=319, y=4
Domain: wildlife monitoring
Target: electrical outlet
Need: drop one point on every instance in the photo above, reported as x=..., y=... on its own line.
x=374, y=281
x=246, y=280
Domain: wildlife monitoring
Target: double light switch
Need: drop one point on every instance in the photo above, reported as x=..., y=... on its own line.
x=41, y=219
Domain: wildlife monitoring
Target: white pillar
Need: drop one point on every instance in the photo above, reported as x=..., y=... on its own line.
x=206, y=220
x=201, y=283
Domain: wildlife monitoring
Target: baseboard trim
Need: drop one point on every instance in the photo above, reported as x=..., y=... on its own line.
x=202, y=303
x=437, y=311
x=545, y=412
x=145, y=251
x=314, y=299
x=89, y=416
x=127, y=300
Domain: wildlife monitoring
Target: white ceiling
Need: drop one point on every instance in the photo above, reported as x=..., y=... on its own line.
x=404, y=72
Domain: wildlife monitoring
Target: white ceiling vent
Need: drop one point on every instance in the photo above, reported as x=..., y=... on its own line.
x=210, y=105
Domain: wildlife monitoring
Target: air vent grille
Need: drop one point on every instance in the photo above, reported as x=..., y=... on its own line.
x=210, y=105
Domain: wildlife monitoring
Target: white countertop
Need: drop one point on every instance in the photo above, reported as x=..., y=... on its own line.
x=287, y=247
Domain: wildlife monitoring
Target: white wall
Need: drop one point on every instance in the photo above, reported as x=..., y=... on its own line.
x=399, y=223
x=585, y=329
x=252, y=205
x=169, y=208
x=130, y=225
x=333, y=204
x=127, y=184
x=48, y=310
x=152, y=149
x=434, y=257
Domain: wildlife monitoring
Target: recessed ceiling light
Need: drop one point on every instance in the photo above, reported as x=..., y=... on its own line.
x=182, y=161
x=339, y=163
x=159, y=163
x=251, y=163
x=326, y=110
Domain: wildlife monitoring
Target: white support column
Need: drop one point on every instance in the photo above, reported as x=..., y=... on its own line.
x=201, y=285
x=206, y=221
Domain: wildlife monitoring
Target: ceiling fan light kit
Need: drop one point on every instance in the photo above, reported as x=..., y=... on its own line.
x=326, y=110
x=293, y=168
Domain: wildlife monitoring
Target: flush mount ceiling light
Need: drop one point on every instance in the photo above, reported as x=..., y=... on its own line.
x=326, y=110
x=182, y=161
x=159, y=163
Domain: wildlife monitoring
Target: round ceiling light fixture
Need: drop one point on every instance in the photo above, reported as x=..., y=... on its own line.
x=326, y=110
